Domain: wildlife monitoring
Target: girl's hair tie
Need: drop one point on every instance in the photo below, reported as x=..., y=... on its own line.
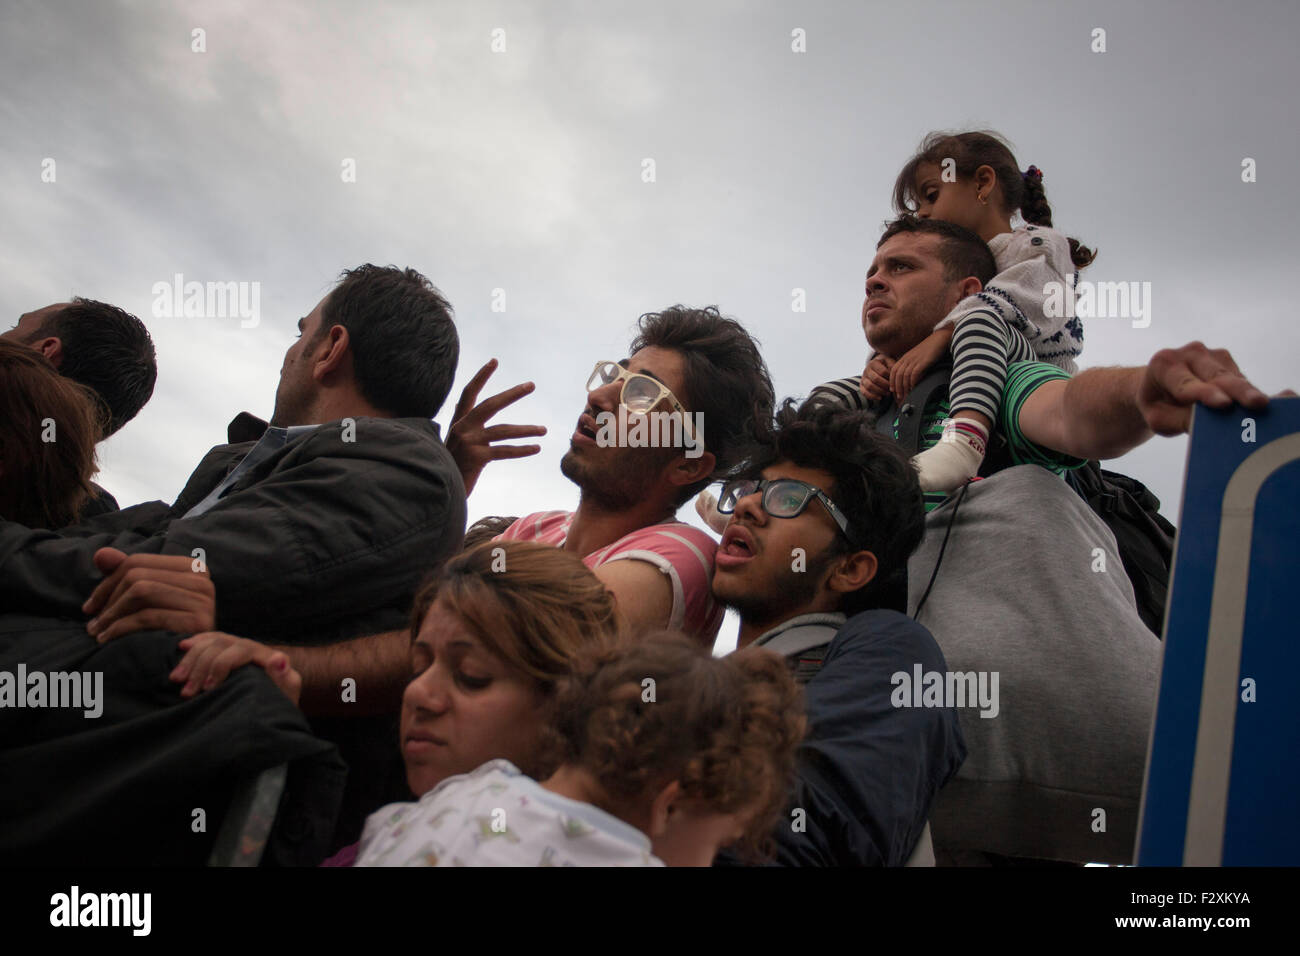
x=1033, y=172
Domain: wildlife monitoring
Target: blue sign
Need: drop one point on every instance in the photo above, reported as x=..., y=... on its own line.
x=1223, y=776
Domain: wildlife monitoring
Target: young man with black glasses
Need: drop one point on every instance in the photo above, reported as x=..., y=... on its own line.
x=827, y=513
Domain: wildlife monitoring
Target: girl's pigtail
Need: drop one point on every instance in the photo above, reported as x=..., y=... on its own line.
x=1037, y=212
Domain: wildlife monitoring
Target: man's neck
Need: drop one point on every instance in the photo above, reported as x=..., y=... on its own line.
x=593, y=527
x=332, y=407
x=752, y=628
x=994, y=224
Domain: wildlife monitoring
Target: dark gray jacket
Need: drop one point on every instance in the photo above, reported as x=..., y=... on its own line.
x=325, y=540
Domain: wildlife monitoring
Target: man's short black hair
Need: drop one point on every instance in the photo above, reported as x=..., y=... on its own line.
x=403, y=339
x=109, y=351
x=727, y=381
x=961, y=251
x=875, y=485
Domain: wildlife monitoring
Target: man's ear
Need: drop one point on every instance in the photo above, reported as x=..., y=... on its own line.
x=687, y=471
x=853, y=572
x=332, y=352
x=662, y=808
x=967, y=286
x=52, y=349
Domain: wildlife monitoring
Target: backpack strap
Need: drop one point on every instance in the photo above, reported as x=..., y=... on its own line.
x=911, y=418
x=802, y=638
x=804, y=642
x=809, y=663
x=911, y=415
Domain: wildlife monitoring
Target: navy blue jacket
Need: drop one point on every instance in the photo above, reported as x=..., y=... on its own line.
x=868, y=771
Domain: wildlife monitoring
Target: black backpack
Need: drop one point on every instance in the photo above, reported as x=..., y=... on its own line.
x=1144, y=537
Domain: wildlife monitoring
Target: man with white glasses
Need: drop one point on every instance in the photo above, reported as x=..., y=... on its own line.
x=656, y=429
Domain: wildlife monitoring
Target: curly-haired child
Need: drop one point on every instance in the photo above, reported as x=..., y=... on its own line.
x=665, y=755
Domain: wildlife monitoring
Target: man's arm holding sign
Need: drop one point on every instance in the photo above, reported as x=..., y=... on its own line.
x=1106, y=412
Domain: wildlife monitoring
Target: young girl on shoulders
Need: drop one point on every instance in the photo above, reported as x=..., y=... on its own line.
x=1024, y=314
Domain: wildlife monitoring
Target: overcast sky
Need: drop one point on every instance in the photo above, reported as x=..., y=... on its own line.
x=521, y=170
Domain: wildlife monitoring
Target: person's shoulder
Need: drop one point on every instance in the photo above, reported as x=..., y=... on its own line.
x=668, y=538
x=535, y=526
x=1030, y=375
x=878, y=623
x=386, y=816
x=492, y=777
x=1023, y=379
x=380, y=432
x=882, y=632
x=1030, y=241
x=409, y=445
x=676, y=532
x=99, y=502
x=495, y=774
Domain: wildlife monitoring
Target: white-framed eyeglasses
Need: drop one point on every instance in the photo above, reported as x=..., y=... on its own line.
x=640, y=393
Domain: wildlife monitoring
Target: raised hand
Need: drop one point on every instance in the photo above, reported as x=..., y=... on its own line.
x=470, y=439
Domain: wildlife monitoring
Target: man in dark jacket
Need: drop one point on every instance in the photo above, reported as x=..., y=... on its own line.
x=317, y=533
x=811, y=553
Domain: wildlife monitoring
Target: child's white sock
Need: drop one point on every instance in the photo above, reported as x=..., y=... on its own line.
x=956, y=458
x=706, y=506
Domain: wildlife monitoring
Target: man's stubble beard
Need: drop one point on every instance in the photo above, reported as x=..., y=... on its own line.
x=618, y=488
x=774, y=601
x=291, y=408
x=913, y=324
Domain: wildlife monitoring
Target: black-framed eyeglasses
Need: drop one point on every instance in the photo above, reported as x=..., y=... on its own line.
x=782, y=498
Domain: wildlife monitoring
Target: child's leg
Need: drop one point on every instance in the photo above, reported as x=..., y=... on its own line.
x=982, y=348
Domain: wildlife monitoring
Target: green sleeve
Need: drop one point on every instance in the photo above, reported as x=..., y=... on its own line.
x=1023, y=379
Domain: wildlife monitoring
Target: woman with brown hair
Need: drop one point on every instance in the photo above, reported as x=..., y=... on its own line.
x=667, y=754
x=522, y=673
x=48, y=428
x=493, y=633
